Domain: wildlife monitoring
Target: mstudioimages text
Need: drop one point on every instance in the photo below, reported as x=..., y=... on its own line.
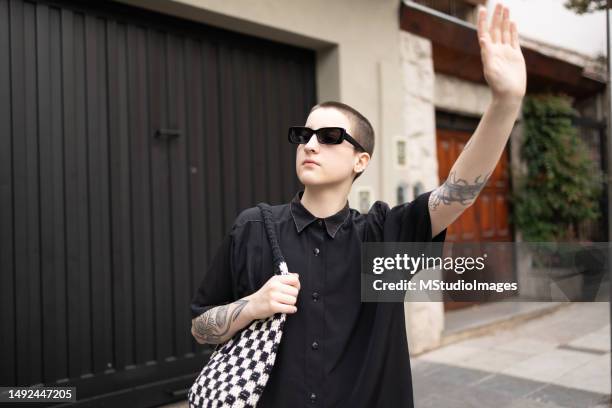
x=437, y=284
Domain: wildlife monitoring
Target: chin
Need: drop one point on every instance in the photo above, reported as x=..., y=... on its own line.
x=309, y=179
x=312, y=180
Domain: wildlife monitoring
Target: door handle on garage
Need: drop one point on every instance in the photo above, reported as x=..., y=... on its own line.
x=167, y=134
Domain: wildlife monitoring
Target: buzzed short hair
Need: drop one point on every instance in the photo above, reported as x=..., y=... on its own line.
x=363, y=131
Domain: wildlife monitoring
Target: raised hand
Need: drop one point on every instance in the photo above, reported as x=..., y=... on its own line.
x=502, y=59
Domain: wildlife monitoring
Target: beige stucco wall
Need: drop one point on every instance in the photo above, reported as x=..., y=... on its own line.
x=461, y=96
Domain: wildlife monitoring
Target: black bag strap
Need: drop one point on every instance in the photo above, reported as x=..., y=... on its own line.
x=278, y=259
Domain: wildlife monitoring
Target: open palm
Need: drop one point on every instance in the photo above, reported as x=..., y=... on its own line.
x=502, y=59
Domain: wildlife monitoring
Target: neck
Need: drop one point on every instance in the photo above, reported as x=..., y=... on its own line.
x=325, y=201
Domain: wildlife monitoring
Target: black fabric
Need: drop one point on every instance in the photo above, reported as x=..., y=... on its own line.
x=335, y=351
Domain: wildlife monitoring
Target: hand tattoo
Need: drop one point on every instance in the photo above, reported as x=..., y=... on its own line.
x=213, y=325
x=457, y=190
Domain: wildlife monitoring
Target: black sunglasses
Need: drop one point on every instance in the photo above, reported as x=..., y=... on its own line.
x=325, y=135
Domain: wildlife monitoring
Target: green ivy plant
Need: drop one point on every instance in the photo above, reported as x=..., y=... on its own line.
x=562, y=186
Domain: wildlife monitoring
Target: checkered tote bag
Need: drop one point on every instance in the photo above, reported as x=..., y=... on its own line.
x=238, y=370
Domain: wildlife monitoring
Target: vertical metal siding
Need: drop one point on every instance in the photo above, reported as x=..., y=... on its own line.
x=105, y=230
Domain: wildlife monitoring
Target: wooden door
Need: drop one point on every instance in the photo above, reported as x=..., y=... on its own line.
x=485, y=221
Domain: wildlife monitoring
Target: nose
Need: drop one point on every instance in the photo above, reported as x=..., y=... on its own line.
x=312, y=144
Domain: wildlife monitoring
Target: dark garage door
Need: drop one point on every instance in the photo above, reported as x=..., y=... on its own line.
x=129, y=141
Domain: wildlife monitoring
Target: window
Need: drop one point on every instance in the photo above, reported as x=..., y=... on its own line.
x=418, y=189
x=365, y=198
x=401, y=152
x=401, y=193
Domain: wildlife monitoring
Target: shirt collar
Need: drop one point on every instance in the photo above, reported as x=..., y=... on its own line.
x=302, y=217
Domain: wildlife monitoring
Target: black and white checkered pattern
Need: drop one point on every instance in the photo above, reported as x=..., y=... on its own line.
x=237, y=372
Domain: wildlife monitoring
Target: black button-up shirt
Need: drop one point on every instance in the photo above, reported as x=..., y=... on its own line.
x=336, y=351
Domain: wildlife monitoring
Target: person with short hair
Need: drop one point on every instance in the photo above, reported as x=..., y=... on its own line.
x=337, y=351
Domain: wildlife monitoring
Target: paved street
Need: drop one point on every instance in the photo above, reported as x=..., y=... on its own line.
x=560, y=360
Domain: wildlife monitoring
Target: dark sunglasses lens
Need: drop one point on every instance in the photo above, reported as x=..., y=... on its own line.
x=299, y=135
x=329, y=135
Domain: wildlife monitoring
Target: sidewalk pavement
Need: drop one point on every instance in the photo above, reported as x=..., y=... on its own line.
x=560, y=360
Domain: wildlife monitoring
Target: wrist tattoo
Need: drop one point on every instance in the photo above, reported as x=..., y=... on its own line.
x=457, y=190
x=213, y=325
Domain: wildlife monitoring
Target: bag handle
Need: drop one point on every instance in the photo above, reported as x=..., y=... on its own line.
x=277, y=256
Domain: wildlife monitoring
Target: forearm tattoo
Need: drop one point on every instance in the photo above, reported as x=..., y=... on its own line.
x=213, y=325
x=457, y=190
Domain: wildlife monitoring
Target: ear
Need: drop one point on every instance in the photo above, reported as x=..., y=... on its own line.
x=362, y=161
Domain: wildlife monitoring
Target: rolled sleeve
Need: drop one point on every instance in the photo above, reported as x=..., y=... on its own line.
x=407, y=222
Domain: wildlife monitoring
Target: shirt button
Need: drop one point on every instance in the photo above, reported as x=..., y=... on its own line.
x=313, y=397
x=320, y=222
x=316, y=251
x=315, y=296
x=315, y=345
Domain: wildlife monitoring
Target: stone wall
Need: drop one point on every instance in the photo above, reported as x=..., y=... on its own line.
x=424, y=320
x=423, y=92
